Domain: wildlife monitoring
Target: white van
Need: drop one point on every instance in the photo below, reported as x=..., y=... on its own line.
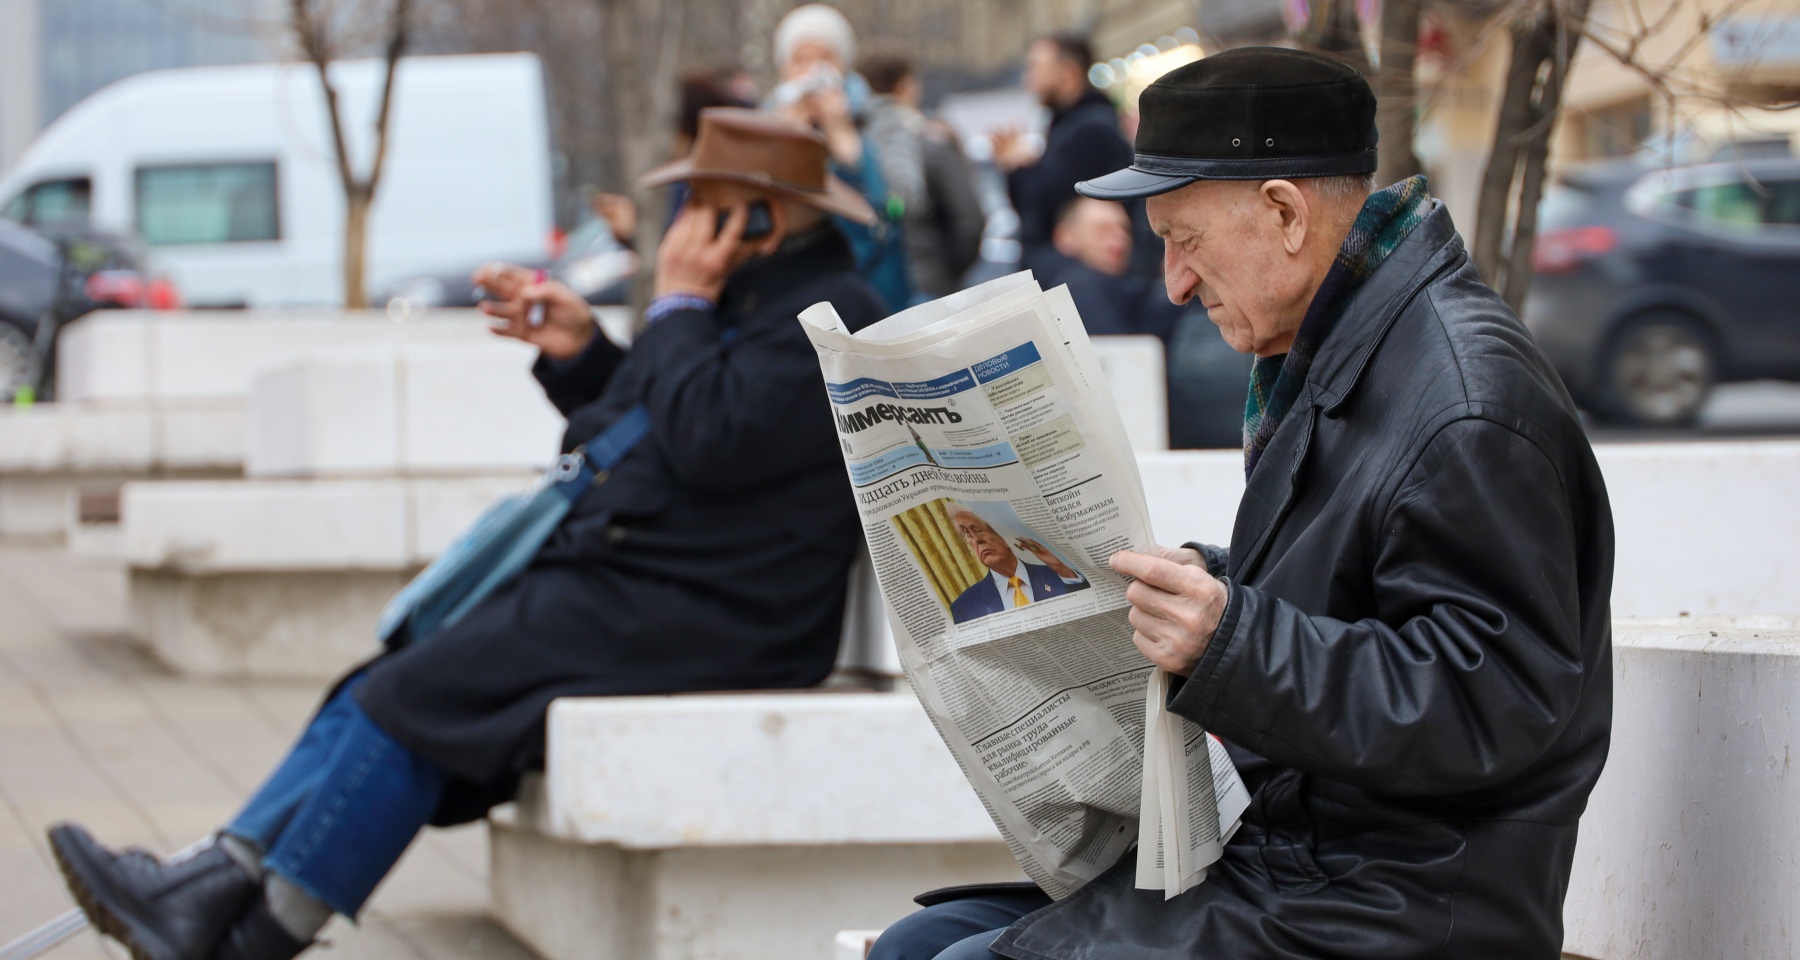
x=227, y=176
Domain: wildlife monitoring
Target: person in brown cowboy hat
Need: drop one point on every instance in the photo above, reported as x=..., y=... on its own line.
x=714, y=556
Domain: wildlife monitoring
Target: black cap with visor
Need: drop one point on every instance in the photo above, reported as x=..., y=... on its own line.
x=1254, y=113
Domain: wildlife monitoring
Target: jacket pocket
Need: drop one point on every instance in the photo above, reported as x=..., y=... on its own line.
x=1288, y=838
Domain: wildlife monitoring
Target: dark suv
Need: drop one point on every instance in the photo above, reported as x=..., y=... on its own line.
x=1652, y=285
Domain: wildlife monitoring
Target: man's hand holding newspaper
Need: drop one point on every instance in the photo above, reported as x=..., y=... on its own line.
x=1001, y=504
x=1175, y=605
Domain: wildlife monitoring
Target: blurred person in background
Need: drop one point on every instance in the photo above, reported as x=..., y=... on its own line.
x=701, y=90
x=1083, y=142
x=943, y=224
x=714, y=556
x=814, y=49
x=1090, y=250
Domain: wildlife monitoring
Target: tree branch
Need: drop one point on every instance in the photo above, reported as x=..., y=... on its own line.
x=310, y=30
x=399, y=28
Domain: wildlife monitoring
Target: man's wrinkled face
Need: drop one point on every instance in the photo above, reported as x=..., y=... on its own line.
x=990, y=548
x=1223, y=245
x=1097, y=233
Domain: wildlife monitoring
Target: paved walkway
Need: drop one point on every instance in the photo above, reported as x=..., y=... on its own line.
x=92, y=730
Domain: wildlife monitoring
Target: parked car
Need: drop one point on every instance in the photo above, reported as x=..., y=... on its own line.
x=593, y=264
x=48, y=280
x=226, y=173
x=1651, y=286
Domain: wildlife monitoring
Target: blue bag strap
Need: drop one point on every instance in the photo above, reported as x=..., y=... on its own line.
x=575, y=472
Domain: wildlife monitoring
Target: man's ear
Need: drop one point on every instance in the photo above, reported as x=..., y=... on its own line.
x=1290, y=208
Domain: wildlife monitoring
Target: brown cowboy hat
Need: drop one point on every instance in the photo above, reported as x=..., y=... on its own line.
x=766, y=152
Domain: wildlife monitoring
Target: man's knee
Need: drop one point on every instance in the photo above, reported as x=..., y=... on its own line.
x=926, y=934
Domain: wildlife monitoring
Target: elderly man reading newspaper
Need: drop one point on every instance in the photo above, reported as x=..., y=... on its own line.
x=1405, y=648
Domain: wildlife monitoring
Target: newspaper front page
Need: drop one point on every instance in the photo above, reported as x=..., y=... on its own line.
x=991, y=470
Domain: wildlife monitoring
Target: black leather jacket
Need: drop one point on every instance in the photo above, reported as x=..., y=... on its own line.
x=1414, y=668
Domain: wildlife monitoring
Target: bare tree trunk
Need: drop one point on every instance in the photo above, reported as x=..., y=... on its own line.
x=356, y=233
x=312, y=27
x=1397, y=90
x=1543, y=49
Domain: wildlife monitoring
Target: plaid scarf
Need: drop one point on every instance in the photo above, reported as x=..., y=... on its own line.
x=1385, y=220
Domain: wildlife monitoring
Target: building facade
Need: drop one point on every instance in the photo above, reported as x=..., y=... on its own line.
x=53, y=53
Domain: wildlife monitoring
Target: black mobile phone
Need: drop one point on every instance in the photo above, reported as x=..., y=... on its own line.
x=760, y=224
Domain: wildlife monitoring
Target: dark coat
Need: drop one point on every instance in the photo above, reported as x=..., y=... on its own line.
x=1109, y=305
x=1413, y=670
x=714, y=557
x=943, y=238
x=1084, y=142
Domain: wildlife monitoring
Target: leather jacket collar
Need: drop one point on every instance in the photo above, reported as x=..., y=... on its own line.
x=1428, y=250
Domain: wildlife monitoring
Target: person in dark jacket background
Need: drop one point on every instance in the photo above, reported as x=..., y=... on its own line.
x=1090, y=250
x=944, y=222
x=1083, y=142
x=1407, y=646
x=715, y=556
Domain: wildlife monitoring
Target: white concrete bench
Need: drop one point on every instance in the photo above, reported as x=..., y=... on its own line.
x=391, y=411
x=162, y=395
x=760, y=826
x=1701, y=528
x=275, y=578
x=743, y=826
x=364, y=463
x=1690, y=846
x=1137, y=372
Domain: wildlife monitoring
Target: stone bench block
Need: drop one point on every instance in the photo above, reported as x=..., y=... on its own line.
x=394, y=411
x=129, y=356
x=743, y=826
x=283, y=578
x=1136, y=370
x=52, y=452
x=1701, y=528
x=1690, y=846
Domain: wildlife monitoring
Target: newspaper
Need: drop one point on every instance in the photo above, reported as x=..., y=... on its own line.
x=994, y=481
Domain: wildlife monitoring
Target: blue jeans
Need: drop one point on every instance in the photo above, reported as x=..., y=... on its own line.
x=339, y=811
x=957, y=930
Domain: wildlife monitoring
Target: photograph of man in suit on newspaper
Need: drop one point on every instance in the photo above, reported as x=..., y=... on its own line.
x=1012, y=581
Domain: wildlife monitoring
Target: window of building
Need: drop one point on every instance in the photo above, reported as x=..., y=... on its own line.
x=1619, y=129
x=54, y=204
x=207, y=203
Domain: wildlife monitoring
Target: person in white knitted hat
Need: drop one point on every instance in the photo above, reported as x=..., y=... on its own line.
x=814, y=48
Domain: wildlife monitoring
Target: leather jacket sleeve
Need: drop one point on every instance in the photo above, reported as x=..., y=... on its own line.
x=1472, y=665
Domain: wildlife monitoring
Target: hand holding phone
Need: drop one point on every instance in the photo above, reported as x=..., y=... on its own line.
x=759, y=224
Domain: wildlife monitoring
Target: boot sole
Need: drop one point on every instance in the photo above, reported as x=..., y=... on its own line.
x=102, y=906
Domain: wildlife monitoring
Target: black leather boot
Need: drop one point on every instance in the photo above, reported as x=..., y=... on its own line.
x=258, y=936
x=159, y=911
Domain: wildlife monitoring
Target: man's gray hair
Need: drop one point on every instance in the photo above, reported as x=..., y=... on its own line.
x=1354, y=188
